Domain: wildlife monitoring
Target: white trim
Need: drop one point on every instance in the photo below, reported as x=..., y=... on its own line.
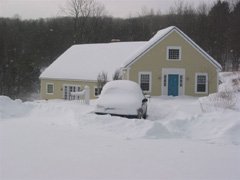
x=47, y=88
x=179, y=72
x=174, y=47
x=201, y=74
x=62, y=79
x=150, y=79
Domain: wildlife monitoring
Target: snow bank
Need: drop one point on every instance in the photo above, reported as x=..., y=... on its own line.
x=213, y=127
x=59, y=112
x=187, y=121
x=13, y=108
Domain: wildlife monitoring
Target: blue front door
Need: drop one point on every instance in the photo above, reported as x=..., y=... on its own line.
x=173, y=85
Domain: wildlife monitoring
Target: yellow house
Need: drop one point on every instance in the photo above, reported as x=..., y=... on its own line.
x=170, y=63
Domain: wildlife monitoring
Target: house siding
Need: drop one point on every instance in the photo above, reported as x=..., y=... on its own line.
x=58, y=88
x=155, y=59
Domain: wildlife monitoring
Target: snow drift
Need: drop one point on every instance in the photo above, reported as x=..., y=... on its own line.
x=13, y=108
x=213, y=127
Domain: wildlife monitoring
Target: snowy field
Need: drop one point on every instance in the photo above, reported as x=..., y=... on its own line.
x=180, y=139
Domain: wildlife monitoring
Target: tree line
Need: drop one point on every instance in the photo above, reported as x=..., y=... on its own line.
x=29, y=46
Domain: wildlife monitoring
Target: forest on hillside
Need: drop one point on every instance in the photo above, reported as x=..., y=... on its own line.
x=29, y=46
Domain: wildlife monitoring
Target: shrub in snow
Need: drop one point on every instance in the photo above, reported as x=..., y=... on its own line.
x=236, y=84
x=218, y=101
x=102, y=79
x=230, y=81
x=227, y=97
x=117, y=75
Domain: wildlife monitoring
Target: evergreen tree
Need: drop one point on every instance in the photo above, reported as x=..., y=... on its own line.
x=218, y=19
x=235, y=36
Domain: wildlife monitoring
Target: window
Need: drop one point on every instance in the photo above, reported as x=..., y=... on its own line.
x=97, y=91
x=165, y=81
x=145, y=81
x=181, y=81
x=173, y=53
x=50, y=88
x=201, y=83
x=70, y=88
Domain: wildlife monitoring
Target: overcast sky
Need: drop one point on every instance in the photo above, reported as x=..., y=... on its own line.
x=32, y=9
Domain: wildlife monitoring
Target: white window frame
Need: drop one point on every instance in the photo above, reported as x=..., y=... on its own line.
x=174, y=47
x=73, y=85
x=150, y=80
x=47, y=84
x=196, y=76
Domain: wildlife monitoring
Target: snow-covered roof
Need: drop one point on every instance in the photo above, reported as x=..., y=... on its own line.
x=158, y=37
x=149, y=44
x=86, y=61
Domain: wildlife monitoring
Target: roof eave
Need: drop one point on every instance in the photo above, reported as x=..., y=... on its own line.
x=67, y=79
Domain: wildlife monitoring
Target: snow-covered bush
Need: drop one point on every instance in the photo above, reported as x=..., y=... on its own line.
x=227, y=97
x=236, y=83
x=230, y=81
x=102, y=79
x=218, y=101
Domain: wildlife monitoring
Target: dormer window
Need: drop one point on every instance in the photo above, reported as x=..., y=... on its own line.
x=173, y=53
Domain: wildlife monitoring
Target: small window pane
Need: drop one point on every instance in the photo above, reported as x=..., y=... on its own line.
x=181, y=80
x=165, y=81
x=201, y=88
x=201, y=79
x=173, y=54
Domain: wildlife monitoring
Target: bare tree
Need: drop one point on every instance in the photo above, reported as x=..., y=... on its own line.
x=177, y=8
x=146, y=12
x=117, y=75
x=101, y=81
x=81, y=10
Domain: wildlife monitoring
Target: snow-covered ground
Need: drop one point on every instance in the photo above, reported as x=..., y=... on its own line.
x=59, y=139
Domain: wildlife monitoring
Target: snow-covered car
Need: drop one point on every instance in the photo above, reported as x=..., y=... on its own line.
x=123, y=98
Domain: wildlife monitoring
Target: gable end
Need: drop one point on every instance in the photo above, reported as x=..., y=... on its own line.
x=149, y=46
